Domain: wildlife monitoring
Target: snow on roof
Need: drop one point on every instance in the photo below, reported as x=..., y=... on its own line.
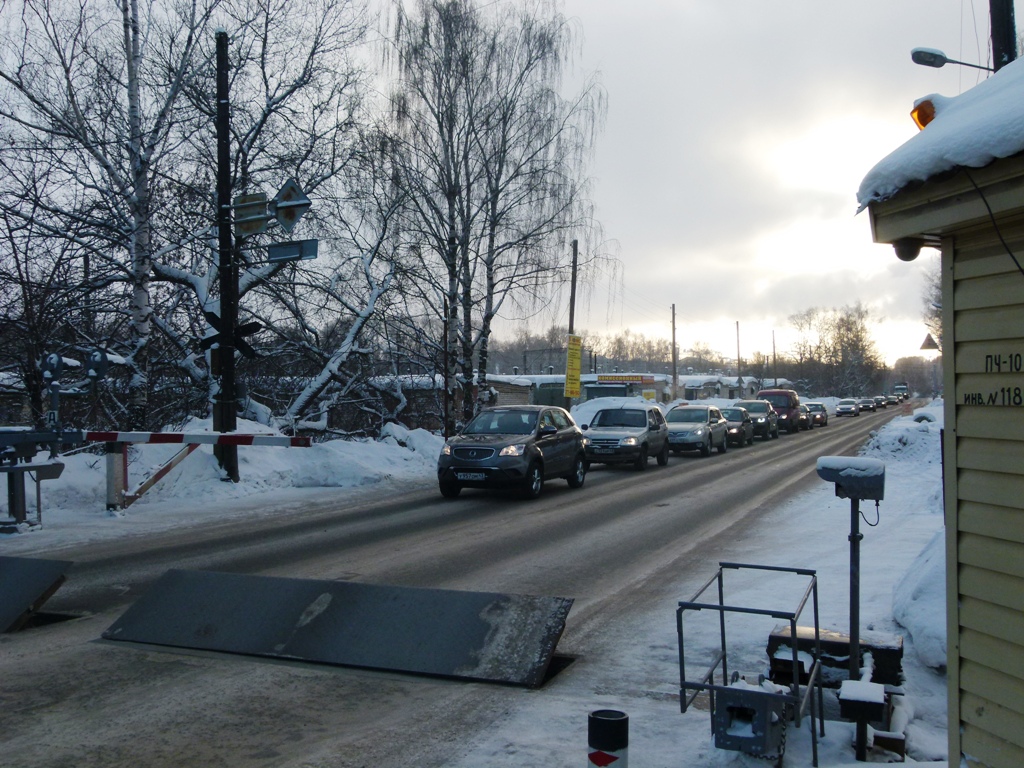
x=970, y=130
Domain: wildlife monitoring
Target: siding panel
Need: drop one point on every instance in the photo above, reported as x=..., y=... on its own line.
x=990, y=291
x=985, y=324
x=996, y=522
x=979, y=647
x=993, y=685
x=992, y=554
x=993, y=455
x=980, y=748
x=993, y=587
x=992, y=718
x=1003, y=490
x=996, y=621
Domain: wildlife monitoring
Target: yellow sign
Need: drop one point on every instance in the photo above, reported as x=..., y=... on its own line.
x=573, y=358
x=624, y=378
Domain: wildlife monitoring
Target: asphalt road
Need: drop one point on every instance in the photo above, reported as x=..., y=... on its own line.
x=69, y=698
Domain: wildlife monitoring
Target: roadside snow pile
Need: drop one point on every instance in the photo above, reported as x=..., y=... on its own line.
x=908, y=439
x=919, y=597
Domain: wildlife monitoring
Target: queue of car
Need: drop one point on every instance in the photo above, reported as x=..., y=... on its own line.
x=520, y=447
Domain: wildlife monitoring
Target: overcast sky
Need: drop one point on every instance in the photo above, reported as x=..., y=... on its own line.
x=736, y=137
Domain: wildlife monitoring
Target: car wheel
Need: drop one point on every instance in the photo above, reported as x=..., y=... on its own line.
x=450, y=490
x=534, y=481
x=724, y=446
x=705, y=448
x=579, y=472
x=663, y=456
x=641, y=460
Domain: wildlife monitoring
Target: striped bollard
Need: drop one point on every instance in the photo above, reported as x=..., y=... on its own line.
x=608, y=738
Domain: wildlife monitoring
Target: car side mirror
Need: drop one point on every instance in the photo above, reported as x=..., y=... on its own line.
x=547, y=429
x=585, y=427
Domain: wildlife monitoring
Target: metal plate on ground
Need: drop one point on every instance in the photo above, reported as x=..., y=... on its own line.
x=484, y=636
x=25, y=584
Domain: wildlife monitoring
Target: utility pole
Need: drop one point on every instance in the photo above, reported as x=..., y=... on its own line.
x=224, y=407
x=1004, y=32
x=775, y=363
x=739, y=383
x=675, y=356
x=572, y=313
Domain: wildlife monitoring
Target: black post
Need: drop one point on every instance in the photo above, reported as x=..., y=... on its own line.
x=224, y=408
x=855, y=537
x=572, y=313
x=1004, y=32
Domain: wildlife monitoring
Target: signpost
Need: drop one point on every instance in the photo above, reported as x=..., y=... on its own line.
x=573, y=358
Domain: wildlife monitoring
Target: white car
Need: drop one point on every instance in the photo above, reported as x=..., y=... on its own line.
x=848, y=407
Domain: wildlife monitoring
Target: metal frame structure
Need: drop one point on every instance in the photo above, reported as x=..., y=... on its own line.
x=800, y=703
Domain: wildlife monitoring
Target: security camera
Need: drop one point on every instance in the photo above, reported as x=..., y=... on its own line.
x=907, y=248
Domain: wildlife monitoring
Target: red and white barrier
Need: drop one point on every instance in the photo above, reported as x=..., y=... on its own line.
x=118, y=495
x=199, y=438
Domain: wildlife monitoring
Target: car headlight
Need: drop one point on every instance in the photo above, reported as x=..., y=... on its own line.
x=628, y=441
x=446, y=450
x=760, y=419
x=698, y=432
x=783, y=417
x=586, y=442
x=513, y=450
x=733, y=429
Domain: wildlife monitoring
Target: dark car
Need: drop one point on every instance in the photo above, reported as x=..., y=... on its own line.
x=786, y=403
x=740, y=426
x=515, y=447
x=866, y=403
x=766, y=419
x=804, y=418
x=893, y=399
x=627, y=434
x=697, y=428
x=819, y=413
x=880, y=401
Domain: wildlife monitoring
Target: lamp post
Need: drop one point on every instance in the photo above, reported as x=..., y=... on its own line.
x=932, y=57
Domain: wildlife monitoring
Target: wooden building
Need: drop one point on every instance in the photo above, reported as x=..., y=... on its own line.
x=958, y=186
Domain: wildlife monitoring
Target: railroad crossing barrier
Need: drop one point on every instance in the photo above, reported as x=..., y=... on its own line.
x=116, y=449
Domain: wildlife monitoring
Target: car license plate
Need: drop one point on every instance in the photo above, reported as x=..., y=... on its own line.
x=601, y=450
x=470, y=476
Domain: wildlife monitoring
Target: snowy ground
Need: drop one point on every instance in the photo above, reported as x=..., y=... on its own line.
x=902, y=584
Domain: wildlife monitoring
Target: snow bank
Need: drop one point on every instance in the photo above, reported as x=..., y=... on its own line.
x=919, y=596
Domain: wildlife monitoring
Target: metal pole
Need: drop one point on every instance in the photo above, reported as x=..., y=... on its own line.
x=855, y=537
x=1004, y=34
x=675, y=357
x=572, y=312
x=224, y=416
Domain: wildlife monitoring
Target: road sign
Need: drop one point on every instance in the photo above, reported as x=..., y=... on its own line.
x=289, y=204
x=293, y=250
x=250, y=214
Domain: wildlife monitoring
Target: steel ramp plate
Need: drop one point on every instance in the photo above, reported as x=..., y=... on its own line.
x=25, y=584
x=476, y=635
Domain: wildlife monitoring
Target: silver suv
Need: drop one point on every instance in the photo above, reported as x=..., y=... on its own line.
x=627, y=434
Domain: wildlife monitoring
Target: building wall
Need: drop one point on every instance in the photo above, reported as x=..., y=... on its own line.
x=983, y=296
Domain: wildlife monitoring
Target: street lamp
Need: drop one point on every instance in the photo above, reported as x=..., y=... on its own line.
x=931, y=57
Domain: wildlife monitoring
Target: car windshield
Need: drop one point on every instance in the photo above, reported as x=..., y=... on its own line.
x=502, y=423
x=779, y=401
x=759, y=406
x=732, y=414
x=847, y=402
x=815, y=407
x=687, y=416
x=620, y=417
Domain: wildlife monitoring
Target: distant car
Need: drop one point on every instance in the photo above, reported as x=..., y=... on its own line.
x=893, y=399
x=515, y=447
x=766, y=419
x=740, y=426
x=866, y=403
x=804, y=419
x=880, y=401
x=848, y=407
x=697, y=428
x=627, y=434
x=819, y=413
